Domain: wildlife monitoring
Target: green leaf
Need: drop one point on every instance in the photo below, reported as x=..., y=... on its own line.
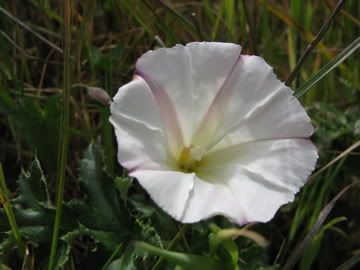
x=224, y=246
x=76, y=212
x=33, y=188
x=39, y=127
x=108, y=240
x=349, y=50
x=64, y=250
x=147, y=233
x=100, y=188
x=7, y=105
x=123, y=184
x=62, y=256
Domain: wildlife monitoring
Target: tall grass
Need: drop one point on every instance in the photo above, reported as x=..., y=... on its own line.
x=64, y=129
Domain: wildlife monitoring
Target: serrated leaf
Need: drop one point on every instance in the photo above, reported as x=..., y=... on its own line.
x=63, y=256
x=100, y=188
x=76, y=212
x=109, y=240
x=6, y=245
x=123, y=184
x=145, y=210
x=33, y=188
x=64, y=250
x=37, y=234
x=148, y=233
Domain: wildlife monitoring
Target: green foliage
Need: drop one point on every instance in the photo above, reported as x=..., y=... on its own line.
x=99, y=216
x=33, y=191
x=42, y=121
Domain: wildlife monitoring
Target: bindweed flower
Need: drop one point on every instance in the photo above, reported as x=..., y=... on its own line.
x=207, y=131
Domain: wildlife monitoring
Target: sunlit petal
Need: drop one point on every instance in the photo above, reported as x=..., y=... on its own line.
x=208, y=199
x=170, y=190
x=257, y=106
x=138, y=127
x=189, y=76
x=284, y=162
x=263, y=175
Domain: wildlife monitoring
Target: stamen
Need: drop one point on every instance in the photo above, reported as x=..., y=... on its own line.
x=189, y=157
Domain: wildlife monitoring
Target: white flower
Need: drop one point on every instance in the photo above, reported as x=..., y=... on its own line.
x=208, y=131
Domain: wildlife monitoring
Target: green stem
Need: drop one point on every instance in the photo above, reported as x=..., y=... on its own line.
x=4, y=199
x=64, y=132
x=188, y=261
x=176, y=239
x=116, y=251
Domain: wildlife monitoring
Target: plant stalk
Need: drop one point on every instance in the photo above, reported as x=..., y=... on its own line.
x=64, y=131
x=5, y=201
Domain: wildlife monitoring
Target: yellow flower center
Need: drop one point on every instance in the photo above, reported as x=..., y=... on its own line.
x=189, y=158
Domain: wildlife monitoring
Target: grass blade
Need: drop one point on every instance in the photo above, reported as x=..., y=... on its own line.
x=343, y=154
x=252, y=31
x=301, y=247
x=5, y=202
x=290, y=22
x=25, y=26
x=64, y=131
x=350, y=263
x=191, y=27
x=315, y=41
x=328, y=67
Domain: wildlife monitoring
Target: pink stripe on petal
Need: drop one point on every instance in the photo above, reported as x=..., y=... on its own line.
x=212, y=119
x=168, y=112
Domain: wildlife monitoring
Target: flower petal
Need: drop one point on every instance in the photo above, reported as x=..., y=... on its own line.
x=257, y=106
x=170, y=190
x=210, y=199
x=262, y=175
x=138, y=127
x=285, y=162
x=190, y=76
x=259, y=198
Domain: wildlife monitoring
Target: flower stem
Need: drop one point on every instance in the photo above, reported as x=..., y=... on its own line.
x=188, y=261
x=180, y=234
x=4, y=200
x=64, y=131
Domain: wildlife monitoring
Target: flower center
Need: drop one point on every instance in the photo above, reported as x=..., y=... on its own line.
x=189, y=158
